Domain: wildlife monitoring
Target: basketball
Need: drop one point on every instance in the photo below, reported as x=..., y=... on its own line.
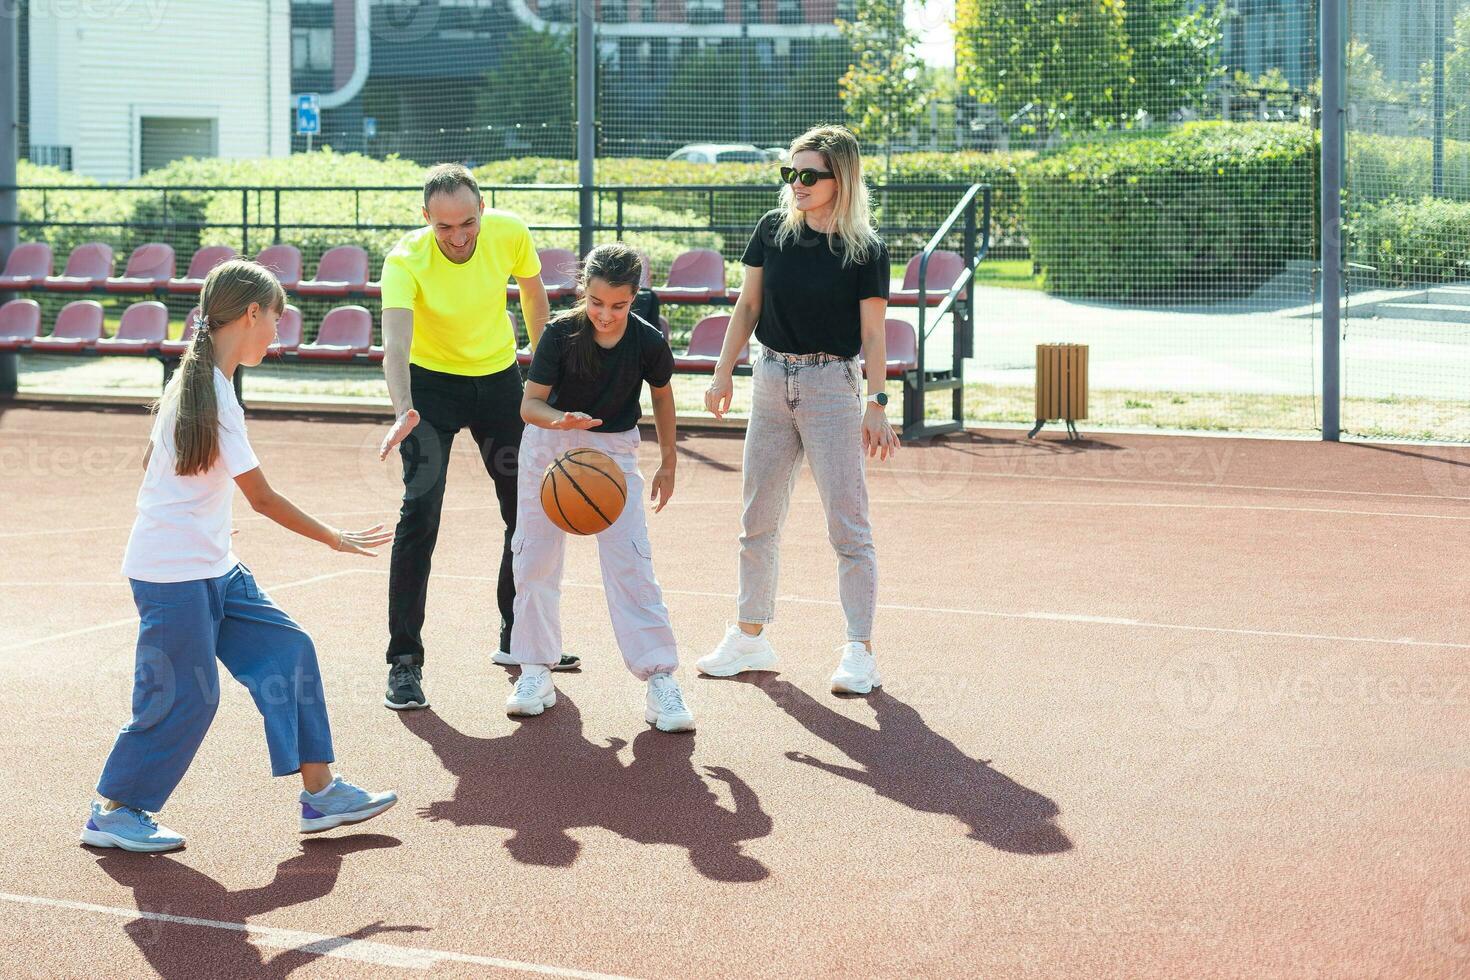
x=583, y=491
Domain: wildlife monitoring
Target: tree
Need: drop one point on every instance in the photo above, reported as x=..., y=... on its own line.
x=883, y=90
x=1456, y=82
x=1174, y=48
x=533, y=86
x=1051, y=65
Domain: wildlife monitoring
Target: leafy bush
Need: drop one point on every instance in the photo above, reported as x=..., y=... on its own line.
x=1412, y=242
x=1384, y=167
x=1202, y=207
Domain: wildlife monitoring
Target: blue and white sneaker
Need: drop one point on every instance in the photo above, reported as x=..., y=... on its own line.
x=130, y=829
x=341, y=803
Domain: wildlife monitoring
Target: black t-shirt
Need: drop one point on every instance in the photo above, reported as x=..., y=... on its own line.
x=809, y=299
x=612, y=394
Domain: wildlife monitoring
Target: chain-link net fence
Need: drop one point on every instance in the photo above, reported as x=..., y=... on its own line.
x=1406, y=331
x=1153, y=170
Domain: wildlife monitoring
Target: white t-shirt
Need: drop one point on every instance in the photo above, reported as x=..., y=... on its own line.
x=182, y=532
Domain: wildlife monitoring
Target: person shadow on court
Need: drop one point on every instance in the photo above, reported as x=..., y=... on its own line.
x=545, y=779
x=906, y=761
x=163, y=885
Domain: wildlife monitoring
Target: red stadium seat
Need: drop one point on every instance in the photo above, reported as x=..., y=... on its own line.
x=203, y=261
x=176, y=348
x=705, y=343
x=373, y=290
x=78, y=327
x=20, y=322
x=288, y=331
x=143, y=327
x=945, y=268
x=342, y=271
x=901, y=345
x=645, y=279
x=28, y=266
x=285, y=262
x=346, y=331
x=558, y=272
x=149, y=268
x=697, y=276
x=663, y=324
x=87, y=268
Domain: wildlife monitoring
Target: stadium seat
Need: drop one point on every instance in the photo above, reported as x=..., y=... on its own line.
x=87, y=268
x=901, y=345
x=558, y=272
x=346, y=331
x=663, y=324
x=945, y=268
x=176, y=348
x=20, y=322
x=342, y=271
x=78, y=327
x=29, y=265
x=143, y=327
x=705, y=343
x=285, y=262
x=373, y=289
x=288, y=332
x=697, y=276
x=203, y=261
x=149, y=268
x=645, y=280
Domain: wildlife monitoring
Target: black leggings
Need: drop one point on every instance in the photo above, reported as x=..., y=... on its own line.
x=490, y=407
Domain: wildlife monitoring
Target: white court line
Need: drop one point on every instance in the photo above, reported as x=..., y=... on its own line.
x=1080, y=618
x=884, y=501
x=881, y=468
x=133, y=620
x=340, y=947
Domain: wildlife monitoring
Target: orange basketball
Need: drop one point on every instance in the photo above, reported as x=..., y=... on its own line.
x=583, y=491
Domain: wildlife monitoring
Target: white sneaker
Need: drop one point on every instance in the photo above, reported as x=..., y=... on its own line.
x=568, y=661
x=738, y=652
x=533, y=693
x=857, y=673
x=664, y=707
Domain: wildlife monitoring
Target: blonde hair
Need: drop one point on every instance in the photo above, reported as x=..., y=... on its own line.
x=852, y=221
x=229, y=290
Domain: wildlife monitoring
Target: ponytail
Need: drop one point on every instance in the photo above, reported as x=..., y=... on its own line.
x=230, y=289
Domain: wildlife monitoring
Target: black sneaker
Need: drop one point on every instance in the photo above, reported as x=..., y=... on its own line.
x=569, y=661
x=405, y=690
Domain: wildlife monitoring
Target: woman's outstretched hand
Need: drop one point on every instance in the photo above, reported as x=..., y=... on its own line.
x=363, y=542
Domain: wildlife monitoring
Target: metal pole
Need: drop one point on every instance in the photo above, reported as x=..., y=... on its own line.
x=9, y=152
x=586, y=103
x=1438, y=182
x=1331, y=208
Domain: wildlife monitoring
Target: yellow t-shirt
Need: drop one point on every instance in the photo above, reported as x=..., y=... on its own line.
x=459, y=320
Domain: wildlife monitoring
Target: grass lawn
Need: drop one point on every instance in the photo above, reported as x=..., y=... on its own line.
x=1005, y=273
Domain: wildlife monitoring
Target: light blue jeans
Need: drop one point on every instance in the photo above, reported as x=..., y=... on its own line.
x=185, y=628
x=812, y=405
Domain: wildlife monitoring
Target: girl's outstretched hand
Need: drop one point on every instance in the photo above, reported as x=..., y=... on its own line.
x=363, y=542
x=575, y=420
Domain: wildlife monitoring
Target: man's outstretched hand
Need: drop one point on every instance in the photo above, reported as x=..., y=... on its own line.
x=399, y=432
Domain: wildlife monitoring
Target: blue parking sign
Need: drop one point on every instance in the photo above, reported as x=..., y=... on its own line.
x=308, y=115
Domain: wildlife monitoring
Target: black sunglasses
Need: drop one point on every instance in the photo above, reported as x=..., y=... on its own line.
x=808, y=177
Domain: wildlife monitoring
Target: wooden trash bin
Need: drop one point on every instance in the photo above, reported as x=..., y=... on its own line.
x=1061, y=386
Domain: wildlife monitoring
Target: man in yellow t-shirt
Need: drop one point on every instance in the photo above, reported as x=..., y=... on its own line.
x=450, y=360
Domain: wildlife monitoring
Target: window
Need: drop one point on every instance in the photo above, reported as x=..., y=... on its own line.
x=788, y=11
x=311, y=49
x=165, y=139
x=706, y=11
x=51, y=156
x=614, y=11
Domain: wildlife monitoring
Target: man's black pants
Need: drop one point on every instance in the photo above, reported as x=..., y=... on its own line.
x=490, y=407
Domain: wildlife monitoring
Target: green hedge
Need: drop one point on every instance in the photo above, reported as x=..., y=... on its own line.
x=1414, y=242
x=1201, y=208
x=1380, y=168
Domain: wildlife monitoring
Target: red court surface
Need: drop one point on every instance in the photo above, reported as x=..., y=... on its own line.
x=1155, y=706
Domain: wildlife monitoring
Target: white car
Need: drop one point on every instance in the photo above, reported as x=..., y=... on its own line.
x=720, y=153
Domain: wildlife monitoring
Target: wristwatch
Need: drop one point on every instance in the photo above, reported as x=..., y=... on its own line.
x=878, y=398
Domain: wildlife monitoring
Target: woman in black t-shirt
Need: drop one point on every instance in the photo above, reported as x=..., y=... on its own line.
x=582, y=391
x=815, y=295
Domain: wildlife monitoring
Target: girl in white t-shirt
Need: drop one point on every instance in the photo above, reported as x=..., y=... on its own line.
x=197, y=603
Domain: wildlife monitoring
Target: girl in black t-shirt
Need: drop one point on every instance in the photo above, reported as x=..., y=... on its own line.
x=815, y=295
x=582, y=391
